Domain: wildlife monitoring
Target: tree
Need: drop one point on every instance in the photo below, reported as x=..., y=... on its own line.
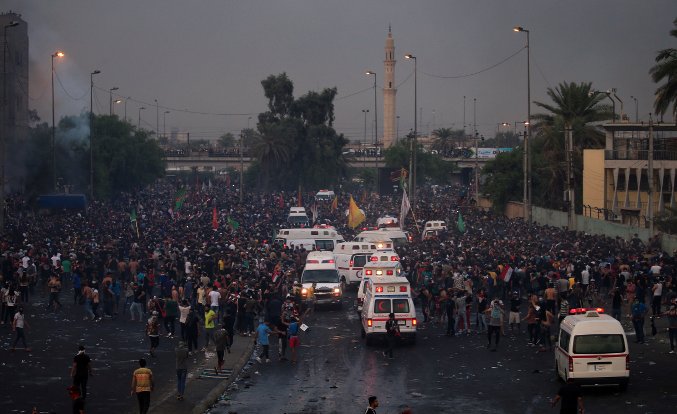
x=226, y=140
x=447, y=138
x=666, y=69
x=429, y=167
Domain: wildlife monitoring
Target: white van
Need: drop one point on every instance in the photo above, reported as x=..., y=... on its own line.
x=592, y=349
x=325, y=238
x=325, y=195
x=383, y=295
x=297, y=217
x=376, y=269
x=398, y=237
x=433, y=228
x=320, y=270
x=351, y=258
x=388, y=221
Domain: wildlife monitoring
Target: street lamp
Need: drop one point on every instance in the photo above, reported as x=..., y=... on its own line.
x=58, y=54
x=636, y=109
x=498, y=129
x=164, y=123
x=372, y=73
x=3, y=123
x=613, y=102
x=413, y=143
x=138, y=125
x=91, y=134
x=126, y=99
x=117, y=101
x=365, y=112
x=526, y=197
x=157, y=119
x=110, y=99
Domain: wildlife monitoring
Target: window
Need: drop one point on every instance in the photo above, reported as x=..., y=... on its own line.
x=382, y=306
x=320, y=276
x=564, y=338
x=401, y=305
x=359, y=260
x=324, y=244
x=599, y=344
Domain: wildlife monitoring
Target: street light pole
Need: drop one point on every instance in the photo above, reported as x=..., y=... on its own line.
x=126, y=99
x=4, y=124
x=110, y=99
x=164, y=124
x=55, y=54
x=117, y=101
x=372, y=73
x=91, y=134
x=138, y=125
x=413, y=142
x=527, y=138
x=636, y=110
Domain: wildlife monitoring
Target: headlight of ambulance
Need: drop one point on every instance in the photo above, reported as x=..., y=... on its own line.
x=304, y=291
x=337, y=290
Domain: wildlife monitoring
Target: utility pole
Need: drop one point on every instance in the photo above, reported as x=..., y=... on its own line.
x=650, y=179
x=569, y=147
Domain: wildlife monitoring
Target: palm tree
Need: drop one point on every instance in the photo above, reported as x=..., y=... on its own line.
x=446, y=138
x=666, y=69
x=271, y=152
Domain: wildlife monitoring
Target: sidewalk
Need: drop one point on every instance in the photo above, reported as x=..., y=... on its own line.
x=203, y=387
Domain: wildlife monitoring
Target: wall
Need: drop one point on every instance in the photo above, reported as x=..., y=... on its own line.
x=593, y=177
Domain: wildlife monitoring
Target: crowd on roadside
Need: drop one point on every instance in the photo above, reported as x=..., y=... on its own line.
x=201, y=267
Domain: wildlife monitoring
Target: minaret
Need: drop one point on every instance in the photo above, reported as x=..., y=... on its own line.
x=389, y=92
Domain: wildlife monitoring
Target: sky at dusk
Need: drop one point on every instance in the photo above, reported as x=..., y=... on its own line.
x=204, y=60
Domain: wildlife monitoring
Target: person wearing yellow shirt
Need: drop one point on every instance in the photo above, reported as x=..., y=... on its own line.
x=142, y=385
x=210, y=319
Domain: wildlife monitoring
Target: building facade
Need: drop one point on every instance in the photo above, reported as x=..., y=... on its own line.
x=14, y=85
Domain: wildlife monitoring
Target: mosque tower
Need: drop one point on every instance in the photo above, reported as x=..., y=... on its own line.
x=389, y=91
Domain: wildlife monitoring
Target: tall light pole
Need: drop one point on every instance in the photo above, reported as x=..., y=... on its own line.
x=157, y=118
x=91, y=134
x=126, y=99
x=498, y=130
x=526, y=197
x=413, y=142
x=636, y=109
x=110, y=99
x=365, y=112
x=372, y=73
x=4, y=124
x=138, y=125
x=164, y=123
x=58, y=54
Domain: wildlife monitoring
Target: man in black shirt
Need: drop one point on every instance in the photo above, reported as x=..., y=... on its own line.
x=373, y=404
x=571, y=397
x=392, y=332
x=81, y=370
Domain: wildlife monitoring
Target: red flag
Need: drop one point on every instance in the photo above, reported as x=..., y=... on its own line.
x=277, y=271
x=506, y=273
x=300, y=200
x=281, y=201
x=215, y=219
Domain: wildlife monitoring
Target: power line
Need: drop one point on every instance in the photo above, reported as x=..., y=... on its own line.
x=64, y=89
x=479, y=71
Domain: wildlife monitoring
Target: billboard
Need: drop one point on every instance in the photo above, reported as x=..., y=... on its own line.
x=489, y=152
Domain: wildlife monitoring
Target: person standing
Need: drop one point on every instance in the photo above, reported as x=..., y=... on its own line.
x=450, y=307
x=138, y=304
x=18, y=324
x=210, y=318
x=81, y=370
x=392, y=333
x=142, y=386
x=656, y=297
x=192, y=330
x=638, y=311
x=261, y=337
x=671, y=314
x=495, y=313
x=171, y=312
x=222, y=343
x=153, y=332
x=373, y=404
x=571, y=397
x=184, y=309
x=54, y=290
x=181, y=369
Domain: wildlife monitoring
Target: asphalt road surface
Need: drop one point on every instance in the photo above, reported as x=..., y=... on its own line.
x=337, y=372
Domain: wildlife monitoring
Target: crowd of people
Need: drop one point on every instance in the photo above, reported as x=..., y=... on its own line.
x=199, y=258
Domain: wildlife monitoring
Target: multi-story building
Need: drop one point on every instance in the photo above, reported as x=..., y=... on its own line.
x=617, y=181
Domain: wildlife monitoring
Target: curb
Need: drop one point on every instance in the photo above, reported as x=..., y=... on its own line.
x=213, y=396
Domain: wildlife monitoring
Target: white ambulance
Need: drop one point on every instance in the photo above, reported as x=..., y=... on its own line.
x=383, y=295
x=592, y=349
x=320, y=275
x=351, y=258
x=373, y=269
x=396, y=236
x=433, y=228
x=325, y=238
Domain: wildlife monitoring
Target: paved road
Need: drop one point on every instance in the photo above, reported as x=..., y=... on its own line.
x=337, y=372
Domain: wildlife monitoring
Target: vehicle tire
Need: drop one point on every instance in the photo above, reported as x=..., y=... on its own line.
x=623, y=386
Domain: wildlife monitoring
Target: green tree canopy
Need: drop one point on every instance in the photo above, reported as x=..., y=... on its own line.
x=666, y=69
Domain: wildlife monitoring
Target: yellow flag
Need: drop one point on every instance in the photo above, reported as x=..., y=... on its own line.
x=334, y=204
x=355, y=215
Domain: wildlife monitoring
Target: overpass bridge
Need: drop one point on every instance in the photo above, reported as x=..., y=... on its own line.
x=217, y=163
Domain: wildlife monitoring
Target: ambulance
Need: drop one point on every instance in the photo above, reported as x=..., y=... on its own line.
x=372, y=269
x=383, y=295
x=396, y=236
x=592, y=349
x=351, y=258
x=325, y=238
x=320, y=275
x=433, y=228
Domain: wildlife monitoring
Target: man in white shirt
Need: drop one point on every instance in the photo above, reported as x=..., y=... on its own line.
x=585, y=278
x=214, y=297
x=657, y=290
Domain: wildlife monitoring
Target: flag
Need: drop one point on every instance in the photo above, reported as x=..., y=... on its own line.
x=334, y=204
x=404, y=208
x=313, y=209
x=215, y=219
x=132, y=216
x=232, y=223
x=355, y=215
x=300, y=200
x=506, y=274
x=460, y=224
x=403, y=178
x=228, y=181
x=280, y=202
x=179, y=198
x=277, y=271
